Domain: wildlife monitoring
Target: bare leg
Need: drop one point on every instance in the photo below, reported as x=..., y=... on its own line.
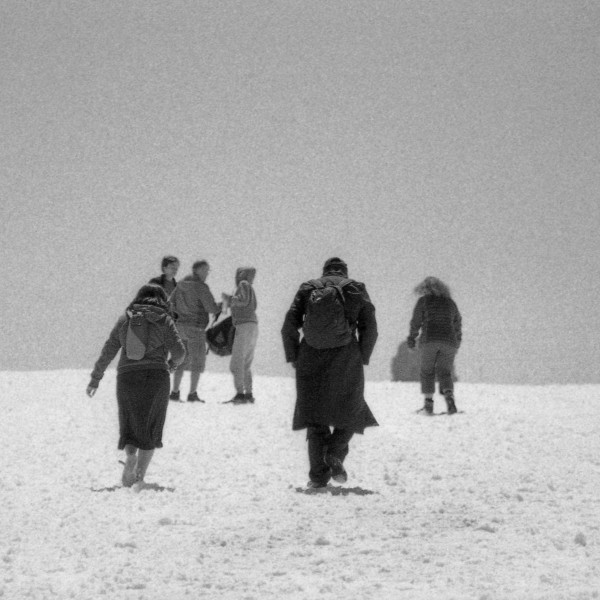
x=177, y=379
x=129, y=470
x=194, y=379
x=144, y=458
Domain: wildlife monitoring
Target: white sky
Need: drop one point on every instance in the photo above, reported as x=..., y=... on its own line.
x=453, y=139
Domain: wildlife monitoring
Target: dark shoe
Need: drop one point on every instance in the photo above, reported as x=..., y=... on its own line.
x=237, y=399
x=450, y=403
x=249, y=398
x=312, y=485
x=193, y=397
x=174, y=396
x=428, y=406
x=338, y=473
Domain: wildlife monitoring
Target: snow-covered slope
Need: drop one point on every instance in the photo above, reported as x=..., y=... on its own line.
x=501, y=502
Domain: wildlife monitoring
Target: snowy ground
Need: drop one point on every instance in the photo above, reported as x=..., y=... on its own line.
x=501, y=502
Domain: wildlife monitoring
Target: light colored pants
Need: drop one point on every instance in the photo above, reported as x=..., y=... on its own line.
x=437, y=358
x=242, y=355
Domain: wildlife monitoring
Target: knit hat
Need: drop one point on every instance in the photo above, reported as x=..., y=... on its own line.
x=337, y=265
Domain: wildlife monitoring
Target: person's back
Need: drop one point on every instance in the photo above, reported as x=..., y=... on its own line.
x=359, y=311
x=439, y=320
x=192, y=302
x=162, y=339
x=329, y=370
x=146, y=335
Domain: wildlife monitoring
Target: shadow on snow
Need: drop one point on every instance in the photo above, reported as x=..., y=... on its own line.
x=336, y=491
x=136, y=488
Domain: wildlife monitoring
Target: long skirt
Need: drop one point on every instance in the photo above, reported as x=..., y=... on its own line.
x=143, y=397
x=330, y=387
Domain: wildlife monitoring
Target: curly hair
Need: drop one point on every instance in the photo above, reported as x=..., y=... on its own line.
x=432, y=286
x=153, y=294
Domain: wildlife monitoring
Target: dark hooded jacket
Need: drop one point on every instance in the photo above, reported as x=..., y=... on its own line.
x=165, y=284
x=162, y=339
x=330, y=381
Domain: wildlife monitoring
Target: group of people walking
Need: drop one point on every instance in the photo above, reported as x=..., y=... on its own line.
x=329, y=333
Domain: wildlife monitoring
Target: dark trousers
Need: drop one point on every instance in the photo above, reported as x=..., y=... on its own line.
x=437, y=358
x=323, y=442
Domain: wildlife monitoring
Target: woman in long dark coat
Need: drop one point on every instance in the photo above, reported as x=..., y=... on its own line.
x=142, y=382
x=330, y=380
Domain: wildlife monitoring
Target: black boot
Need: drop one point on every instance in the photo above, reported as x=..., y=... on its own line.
x=449, y=396
x=320, y=472
x=428, y=406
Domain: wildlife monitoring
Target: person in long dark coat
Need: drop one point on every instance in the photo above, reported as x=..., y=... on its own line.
x=330, y=381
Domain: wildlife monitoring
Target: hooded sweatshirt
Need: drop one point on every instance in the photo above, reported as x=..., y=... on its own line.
x=243, y=301
x=162, y=338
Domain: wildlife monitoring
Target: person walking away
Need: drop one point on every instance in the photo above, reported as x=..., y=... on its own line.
x=243, y=313
x=437, y=318
x=169, y=266
x=339, y=331
x=192, y=302
x=145, y=334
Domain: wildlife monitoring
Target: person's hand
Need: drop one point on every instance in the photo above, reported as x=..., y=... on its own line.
x=172, y=366
x=91, y=390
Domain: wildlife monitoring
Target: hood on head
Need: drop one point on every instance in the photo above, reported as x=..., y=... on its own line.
x=336, y=266
x=245, y=274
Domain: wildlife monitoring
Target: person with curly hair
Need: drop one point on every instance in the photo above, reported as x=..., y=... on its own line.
x=437, y=318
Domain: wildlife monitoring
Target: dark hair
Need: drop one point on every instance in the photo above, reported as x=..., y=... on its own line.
x=432, y=286
x=153, y=294
x=167, y=260
x=198, y=264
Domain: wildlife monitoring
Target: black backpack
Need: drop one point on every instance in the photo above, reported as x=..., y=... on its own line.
x=325, y=322
x=220, y=336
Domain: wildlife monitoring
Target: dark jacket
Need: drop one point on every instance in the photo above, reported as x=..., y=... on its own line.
x=168, y=286
x=359, y=311
x=162, y=339
x=438, y=319
x=330, y=382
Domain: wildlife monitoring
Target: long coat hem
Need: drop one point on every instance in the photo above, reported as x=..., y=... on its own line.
x=330, y=389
